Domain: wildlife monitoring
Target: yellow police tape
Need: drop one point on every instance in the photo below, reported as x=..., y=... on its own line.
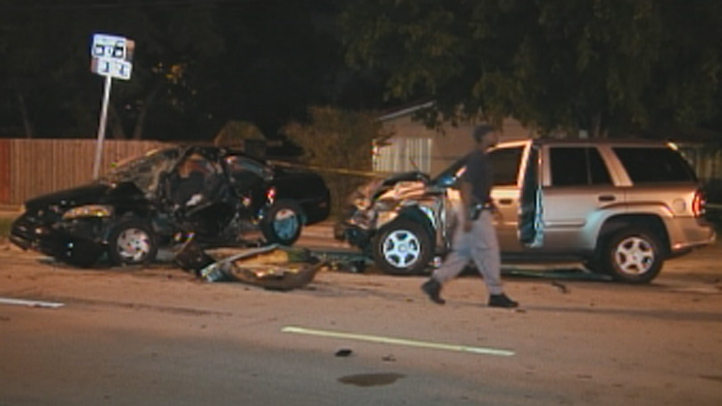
x=369, y=174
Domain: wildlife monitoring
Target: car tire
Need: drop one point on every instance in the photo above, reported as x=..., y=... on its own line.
x=403, y=247
x=632, y=255
x=132, y=242
x=282, y=223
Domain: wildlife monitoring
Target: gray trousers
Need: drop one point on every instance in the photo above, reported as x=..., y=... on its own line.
x=480, y=245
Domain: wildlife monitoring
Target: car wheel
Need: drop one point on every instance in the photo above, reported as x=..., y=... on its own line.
x=131, y=243
x=403, y=247
x=632, y=255
x=282, y=223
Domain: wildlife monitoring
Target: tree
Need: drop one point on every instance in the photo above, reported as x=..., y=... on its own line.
x=609, y=67
x=46, y=63
x=338, y=144
x=198, y=64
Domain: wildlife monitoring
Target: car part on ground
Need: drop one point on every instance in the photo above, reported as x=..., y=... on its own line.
x=219, y=195
x=622, y=207
x=271, y=267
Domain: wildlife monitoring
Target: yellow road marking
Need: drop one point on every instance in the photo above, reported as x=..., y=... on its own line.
x=399, y=341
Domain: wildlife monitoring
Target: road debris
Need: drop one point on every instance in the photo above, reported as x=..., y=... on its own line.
x=271, y=267
x=562, y=287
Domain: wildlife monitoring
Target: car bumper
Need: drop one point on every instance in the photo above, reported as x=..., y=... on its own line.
x=696, y=235
x=353, y=234
x=27, y=234
x=53, y=240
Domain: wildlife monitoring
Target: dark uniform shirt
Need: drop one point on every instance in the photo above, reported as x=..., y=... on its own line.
x=480, y=174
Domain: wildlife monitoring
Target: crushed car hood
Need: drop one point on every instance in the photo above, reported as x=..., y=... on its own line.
x=91, y=193
x=394, y=188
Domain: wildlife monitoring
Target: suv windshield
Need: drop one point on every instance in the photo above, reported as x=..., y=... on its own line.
x=505, y=161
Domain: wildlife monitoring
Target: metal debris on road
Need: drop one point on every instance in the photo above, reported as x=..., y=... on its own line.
x=271, y=267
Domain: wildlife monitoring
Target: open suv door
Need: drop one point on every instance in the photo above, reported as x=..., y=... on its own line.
x=530, y=224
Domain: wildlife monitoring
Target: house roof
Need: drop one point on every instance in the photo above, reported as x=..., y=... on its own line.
x=404, y=111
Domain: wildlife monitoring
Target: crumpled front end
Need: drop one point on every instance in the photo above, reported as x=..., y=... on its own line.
x=34, y=230
x=357, y=226
x=381, y=201
x=45, y=231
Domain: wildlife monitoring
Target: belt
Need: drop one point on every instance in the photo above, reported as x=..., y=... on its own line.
x=478, y=208
x=483, y=206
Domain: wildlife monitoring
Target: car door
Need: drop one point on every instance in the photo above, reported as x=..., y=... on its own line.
x=507, y=163
x=506, y=159
x=249, y=180
x=574, y=188
x=530, y=226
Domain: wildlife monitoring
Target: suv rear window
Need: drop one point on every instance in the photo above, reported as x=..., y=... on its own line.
x=655, y=165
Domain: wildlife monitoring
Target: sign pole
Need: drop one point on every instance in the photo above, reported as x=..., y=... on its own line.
x=112, y=56
x=101, y=128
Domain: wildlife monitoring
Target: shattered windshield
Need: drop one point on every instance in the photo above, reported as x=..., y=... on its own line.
x=144, y=171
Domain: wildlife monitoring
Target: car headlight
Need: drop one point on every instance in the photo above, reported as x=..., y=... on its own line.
x=91, y=210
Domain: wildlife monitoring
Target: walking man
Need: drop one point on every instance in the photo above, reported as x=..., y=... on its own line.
x=475, y=237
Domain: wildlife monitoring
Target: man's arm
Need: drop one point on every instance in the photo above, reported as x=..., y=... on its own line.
x=466, y=201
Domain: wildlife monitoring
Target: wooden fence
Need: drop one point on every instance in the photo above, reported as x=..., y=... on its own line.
x=30, y=167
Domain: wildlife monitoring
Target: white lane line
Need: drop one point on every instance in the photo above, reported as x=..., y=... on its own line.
x=31, y=303
x=399, y=341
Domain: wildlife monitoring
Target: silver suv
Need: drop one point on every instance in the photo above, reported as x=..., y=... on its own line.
x=620, y=206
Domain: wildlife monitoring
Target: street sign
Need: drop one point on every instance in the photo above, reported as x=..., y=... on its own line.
x=112, y=47
x=112, y=56
x=111, y=67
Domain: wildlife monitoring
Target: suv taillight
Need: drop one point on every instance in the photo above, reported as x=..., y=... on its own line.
x=698, y=203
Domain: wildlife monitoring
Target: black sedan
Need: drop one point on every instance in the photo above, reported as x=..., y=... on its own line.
x=212, y=195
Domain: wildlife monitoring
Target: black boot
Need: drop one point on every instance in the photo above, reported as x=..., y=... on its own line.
x=502, y=300
x=432, y=288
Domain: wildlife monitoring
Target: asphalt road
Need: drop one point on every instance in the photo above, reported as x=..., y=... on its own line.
x=158, y=336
